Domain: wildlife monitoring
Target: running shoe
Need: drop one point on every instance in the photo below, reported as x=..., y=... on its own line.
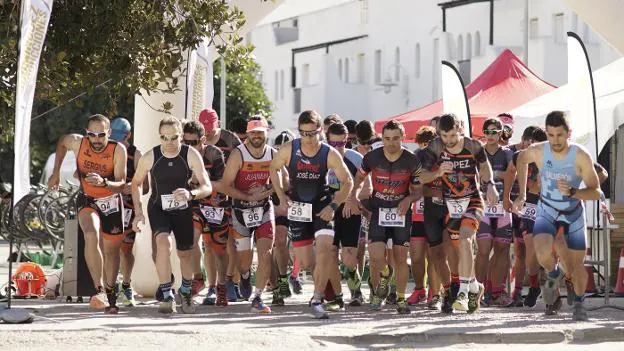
x=231, y=292
x=516, y=301
x=318, y=312
x=127, y=298
x=188, y=307
x=296, y=285
x=383, y=289
x=357, y=299
x=245, y=287
x=283, y=288
x=259, y=307
x=417, y=296
x=336, y=305
x=571, y=295
x=376, y=303
x=278, y=300
x=461, y=302
x=354, y=283
x=99, y=301
x=435, y=304
x=402, y=307
x=487, y=299
x=447, y=302
x=197, y=286
x=474, y=300
x=531, y=299
x=111, y=310
x=579, y=312
x=553, y=309
x=550, y=291
x=501, y=300
x=167, y=306
x=222, y=300
x=211, y=297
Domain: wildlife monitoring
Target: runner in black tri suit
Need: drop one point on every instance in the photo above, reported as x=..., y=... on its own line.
x=459, y=158
x=310, y=205
x=171, y=166
x=393, y=170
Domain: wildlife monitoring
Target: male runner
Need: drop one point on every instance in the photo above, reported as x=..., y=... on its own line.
x=560, y=218
x=102, y=172
x=171, y=166
x=459, y=159
x=393, y=170
x=246, y=180
x=310, y=206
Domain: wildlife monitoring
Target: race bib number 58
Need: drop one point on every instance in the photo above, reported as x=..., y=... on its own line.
x=299, y=211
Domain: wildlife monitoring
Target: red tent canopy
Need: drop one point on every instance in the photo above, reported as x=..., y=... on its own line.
x=506, y=84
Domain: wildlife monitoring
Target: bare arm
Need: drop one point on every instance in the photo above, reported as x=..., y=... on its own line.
x=137, y=157
x=121, y=162
x=335, y=162
x=525, y=157
x=602, y=173
x=278, y=164
x=232, y=166
x=140, y=176
x=204, y=188
x=66, y=142
x=590, y=178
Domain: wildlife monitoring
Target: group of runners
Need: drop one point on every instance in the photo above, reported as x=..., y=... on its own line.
x=445, y=213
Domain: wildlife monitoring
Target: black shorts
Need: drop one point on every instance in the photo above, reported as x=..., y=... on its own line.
x=304, y=233
x=347, y=230
x=400, y=235
x=129, y=215
x=435, y=217
x=418, y=231
x=516, y=224
x=180, y=222
x=111, y=224
x=213, y=234
x=281, y=220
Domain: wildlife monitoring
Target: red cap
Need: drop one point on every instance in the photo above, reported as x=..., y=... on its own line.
x=209, y=118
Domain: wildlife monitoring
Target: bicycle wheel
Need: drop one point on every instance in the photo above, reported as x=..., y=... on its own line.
x=55, y=215
x=29, y=219
x=48, y=197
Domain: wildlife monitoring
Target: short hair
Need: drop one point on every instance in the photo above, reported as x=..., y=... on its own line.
x=308, y=117
x=337, y=129
x=170, y=121
x=284, y=137
x=351, y=124
x=393, y=125
x=558, y=119
x=505, y=115
x=495, y=121
x=364, y=131
x=448, y=122
x=528, y=132
x=194, y=127
x=425, y=134
x=539, y=135
x=331, y=119
x=239, y=125
x=99, y=118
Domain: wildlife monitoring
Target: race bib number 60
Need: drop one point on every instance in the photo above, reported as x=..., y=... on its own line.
x=299, y=211
x=169, y=203
x=457, y=207
x=389, y=217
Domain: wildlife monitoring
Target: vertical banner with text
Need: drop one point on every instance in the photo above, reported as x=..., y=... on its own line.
x=454, y=99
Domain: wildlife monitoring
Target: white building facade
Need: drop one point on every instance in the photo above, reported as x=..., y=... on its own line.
x=373, y=59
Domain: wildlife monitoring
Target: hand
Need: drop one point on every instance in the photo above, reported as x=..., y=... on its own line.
x=518, y=204
x=492, y=194
x=283, y=206
x=564, y=187
x=127, y=190
x=95, y=179
x=445, y=167
x=351, y=207
x=507, y=204
x=138, y=219
x=53, y=182
x=404, y=206
x=182, y=194
x=327, y=214
x=258, y=193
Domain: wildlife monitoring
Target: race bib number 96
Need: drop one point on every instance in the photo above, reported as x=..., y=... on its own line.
x=457, y=207
x=253, y=216
x=389, y=217
x=299, y=211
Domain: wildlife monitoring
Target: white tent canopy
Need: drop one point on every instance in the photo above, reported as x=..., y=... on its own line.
x=609, y=90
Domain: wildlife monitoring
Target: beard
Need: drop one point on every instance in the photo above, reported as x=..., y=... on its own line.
x=97, y=146
x=257, y=142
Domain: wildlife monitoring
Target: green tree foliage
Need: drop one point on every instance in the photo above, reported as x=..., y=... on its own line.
x=133, y=46
x=245, y=93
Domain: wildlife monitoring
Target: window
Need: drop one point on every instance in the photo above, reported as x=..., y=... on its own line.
x=361, y=68
x=363, y=11
x=340, y=69
x=477, y=44
x=559, y=34
x=377, y=66
x=534, y=28
x=295, y=23
x=306, y=74
x=460, y=47
x=468, y=46
x=417, y=60
x=282, y=85
x=397, y=64
x=276, y=85
x=346, y=70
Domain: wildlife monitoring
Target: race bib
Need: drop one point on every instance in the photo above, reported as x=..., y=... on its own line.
x=389, y=217
x=300, y=211
x=495, y=211
x=127, y=216
x=457, y=207
x=528, y=211
x=437, y=201
x=420, y=206
x=253, y=216
x=108, y=205
x=169, y=203
x=212, y=215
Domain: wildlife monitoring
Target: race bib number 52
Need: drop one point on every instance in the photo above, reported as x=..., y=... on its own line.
x=299, y=211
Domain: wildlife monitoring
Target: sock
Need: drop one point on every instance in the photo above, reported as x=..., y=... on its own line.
x=473, y=288
x=283, y=278
x=578, y=298
x=228, y=279
x=400, y=296
x=464, y=282
x=295, y=272
x=111, y=295
x=352, y=273
x=257, y=293
x=198, y=276
x=385, y=271
x=166, y=290
x=99, y=289
x=185, y=289
x=454, y=279
x=125, y=286
x=533, y=281
x=318, y=297
x=555, y=273
x=245, y=275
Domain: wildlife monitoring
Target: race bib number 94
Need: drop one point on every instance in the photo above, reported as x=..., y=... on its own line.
x=108, y=205
x=299, y=211
x=457, y=207
x=169, y=203
x=389, y=217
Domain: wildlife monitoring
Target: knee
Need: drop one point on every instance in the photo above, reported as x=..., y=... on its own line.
x=264, y=254
x=184, y=254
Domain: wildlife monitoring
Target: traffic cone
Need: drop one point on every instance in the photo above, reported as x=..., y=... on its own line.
x=591, y=285
x=619, y=286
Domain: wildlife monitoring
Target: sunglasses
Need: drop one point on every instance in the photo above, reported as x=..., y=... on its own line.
x=171, y=138
x=91, y=134
x=338, y=143
x=191, y=142
x=491, y=131
x=309, y=133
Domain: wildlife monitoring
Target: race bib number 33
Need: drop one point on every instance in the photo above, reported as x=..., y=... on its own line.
x=389, y=217
x=300, y=211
